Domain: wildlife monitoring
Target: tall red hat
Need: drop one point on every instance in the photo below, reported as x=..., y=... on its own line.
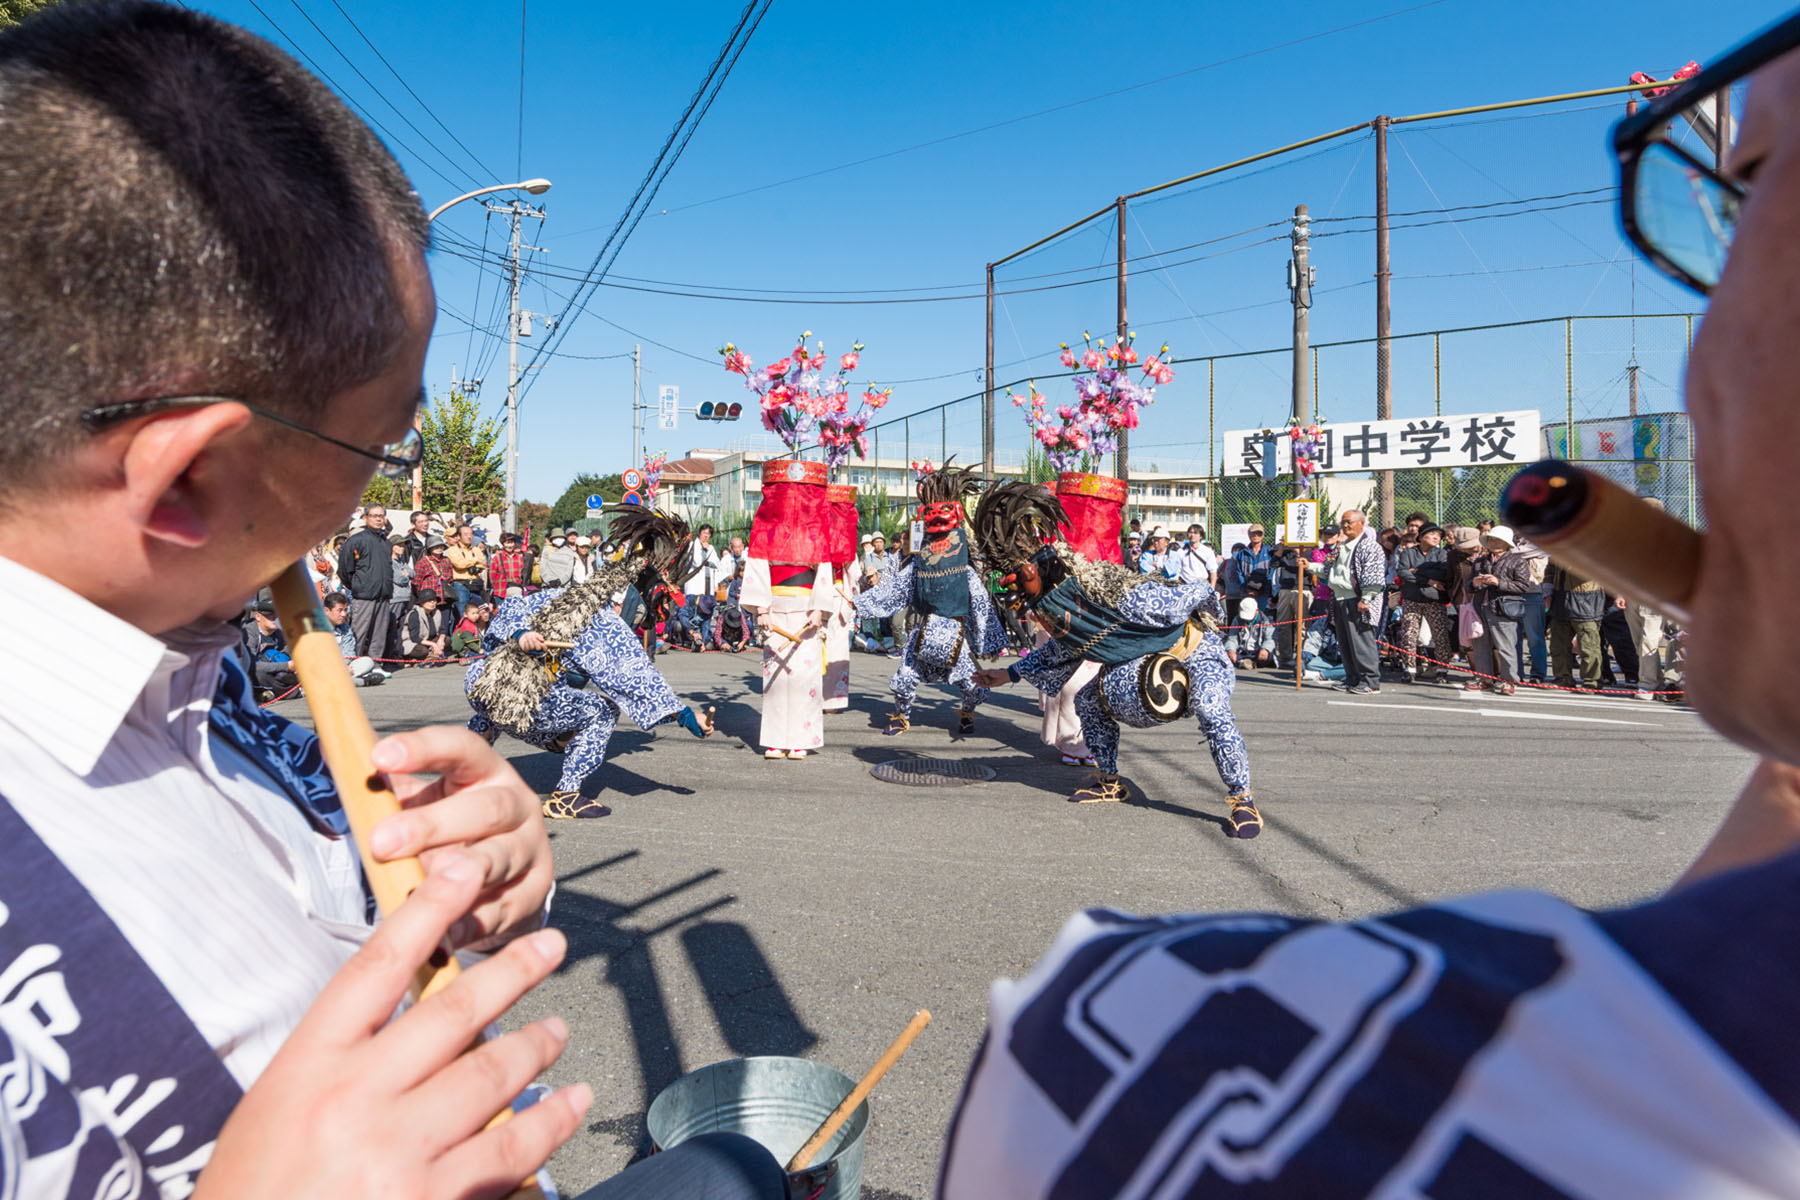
x=841, y=498
x=793, y=524
x=1095, y=505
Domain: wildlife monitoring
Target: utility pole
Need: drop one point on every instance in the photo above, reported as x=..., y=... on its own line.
x=1122, y=457
x=515, y=210
x=1384, y=375
x=637, y=404
x=1300, y=282
x=987, y=403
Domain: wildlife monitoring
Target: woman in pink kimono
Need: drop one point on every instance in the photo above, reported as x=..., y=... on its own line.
x=790, y=588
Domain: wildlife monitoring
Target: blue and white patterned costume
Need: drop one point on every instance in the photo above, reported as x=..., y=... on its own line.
x=941, y=649
x=613, y=660
x=1210, y=675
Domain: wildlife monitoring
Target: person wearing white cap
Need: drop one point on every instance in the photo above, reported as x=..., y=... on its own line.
x=1502, y=580
x=1155, y=558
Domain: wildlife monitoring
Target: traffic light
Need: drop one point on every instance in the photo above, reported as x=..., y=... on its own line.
x=719, y=411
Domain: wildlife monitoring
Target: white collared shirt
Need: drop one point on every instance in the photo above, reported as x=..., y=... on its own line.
x=219, y=883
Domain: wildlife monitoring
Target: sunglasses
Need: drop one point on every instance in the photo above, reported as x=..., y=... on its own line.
x=1681, y=212
x=395, y=460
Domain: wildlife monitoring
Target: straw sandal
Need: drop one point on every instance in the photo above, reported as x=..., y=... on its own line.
x=965, y=722
x=1246, y=822
x=1103, y=788
x=563, y=806
x=897, y=723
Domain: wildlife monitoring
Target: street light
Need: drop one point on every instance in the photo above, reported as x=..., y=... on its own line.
x=536, y=187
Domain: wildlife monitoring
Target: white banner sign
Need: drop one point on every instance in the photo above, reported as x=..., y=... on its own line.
x=667, y=397
x=1483, y=440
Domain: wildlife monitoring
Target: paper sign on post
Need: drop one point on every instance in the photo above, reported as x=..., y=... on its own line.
x=917, y=537
x=1302, y=523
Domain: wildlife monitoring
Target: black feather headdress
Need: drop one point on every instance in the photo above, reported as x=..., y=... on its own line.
x=662, y=538
x=1015, y=520
x=948, y=484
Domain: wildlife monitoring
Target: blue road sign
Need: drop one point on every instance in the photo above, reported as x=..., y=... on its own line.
x=631, y=498
x=596, y=502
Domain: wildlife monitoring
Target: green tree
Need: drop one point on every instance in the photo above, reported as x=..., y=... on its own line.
x=14, y=11
x=571, y=506
x=391, y=494
x=464, y=469
x=533, y=516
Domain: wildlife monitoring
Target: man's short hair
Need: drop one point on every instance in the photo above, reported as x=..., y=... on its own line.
x=333, y=599
x=414, y=517
x=703, y=529
x=1420, y=517
x=187, y=210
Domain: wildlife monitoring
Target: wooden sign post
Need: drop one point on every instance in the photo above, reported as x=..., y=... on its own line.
x=1301, y=529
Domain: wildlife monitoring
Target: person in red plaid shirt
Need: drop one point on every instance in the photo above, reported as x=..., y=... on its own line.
x=509, y=570
x=432, y=573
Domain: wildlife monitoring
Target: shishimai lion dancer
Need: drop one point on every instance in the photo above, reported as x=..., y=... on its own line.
x=956, y=618
x=545, y=650
x=1158, y=659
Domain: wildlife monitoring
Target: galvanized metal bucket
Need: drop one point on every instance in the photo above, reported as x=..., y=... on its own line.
x=778, y=1102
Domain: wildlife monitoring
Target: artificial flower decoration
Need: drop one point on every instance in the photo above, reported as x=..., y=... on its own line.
x=800, y=402
x=1307, y=440
x=921, y=467
x=1075, y=437
x=653, y=469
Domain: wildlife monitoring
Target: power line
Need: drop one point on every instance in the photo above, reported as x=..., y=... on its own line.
x=1609, y=190
x=333, y=84
x=702, y=101
x=938, y=141
x=382, y=96
x=783, y=299
x=519, y=163
x=473, y=157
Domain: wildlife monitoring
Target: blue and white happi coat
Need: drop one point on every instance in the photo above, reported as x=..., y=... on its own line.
x=1500, y=1046
x=622, y=675
x=1211, y=680
x=933, y=654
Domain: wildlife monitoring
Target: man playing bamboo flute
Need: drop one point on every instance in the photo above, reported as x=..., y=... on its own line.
x=543, y=651
x=1157, y=660
x=216, y=310
x=956, y=615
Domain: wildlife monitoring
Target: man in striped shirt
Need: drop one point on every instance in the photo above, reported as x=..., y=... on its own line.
x=193, y=1001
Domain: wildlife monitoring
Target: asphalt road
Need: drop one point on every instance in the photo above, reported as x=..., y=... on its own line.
x=733, y=906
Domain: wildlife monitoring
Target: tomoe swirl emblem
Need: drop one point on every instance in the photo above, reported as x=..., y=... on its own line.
x=1163, y=686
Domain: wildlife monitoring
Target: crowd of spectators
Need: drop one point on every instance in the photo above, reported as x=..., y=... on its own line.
x=1411, y=603
x=1421, y=603
x=421, y=597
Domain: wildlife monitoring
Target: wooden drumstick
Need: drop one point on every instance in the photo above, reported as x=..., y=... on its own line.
x=347, y=740
x=804, y=1156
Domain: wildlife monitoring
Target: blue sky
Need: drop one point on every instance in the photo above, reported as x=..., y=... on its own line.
x=825, y=84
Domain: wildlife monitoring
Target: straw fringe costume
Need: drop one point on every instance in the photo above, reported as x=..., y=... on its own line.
x=956, y=618
x=939, y=650
x=541, y=698
x=1158, y=656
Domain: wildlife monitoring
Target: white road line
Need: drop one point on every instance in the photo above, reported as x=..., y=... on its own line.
x=1490, y=712
x=1523, y=697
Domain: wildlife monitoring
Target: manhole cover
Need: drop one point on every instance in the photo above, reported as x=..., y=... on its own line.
x=931, y=772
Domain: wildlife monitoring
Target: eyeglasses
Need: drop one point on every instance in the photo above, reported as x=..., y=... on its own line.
x=1679, y=211
x=395, y=460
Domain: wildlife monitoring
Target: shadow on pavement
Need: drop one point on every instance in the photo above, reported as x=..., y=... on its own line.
x=749, y=1003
